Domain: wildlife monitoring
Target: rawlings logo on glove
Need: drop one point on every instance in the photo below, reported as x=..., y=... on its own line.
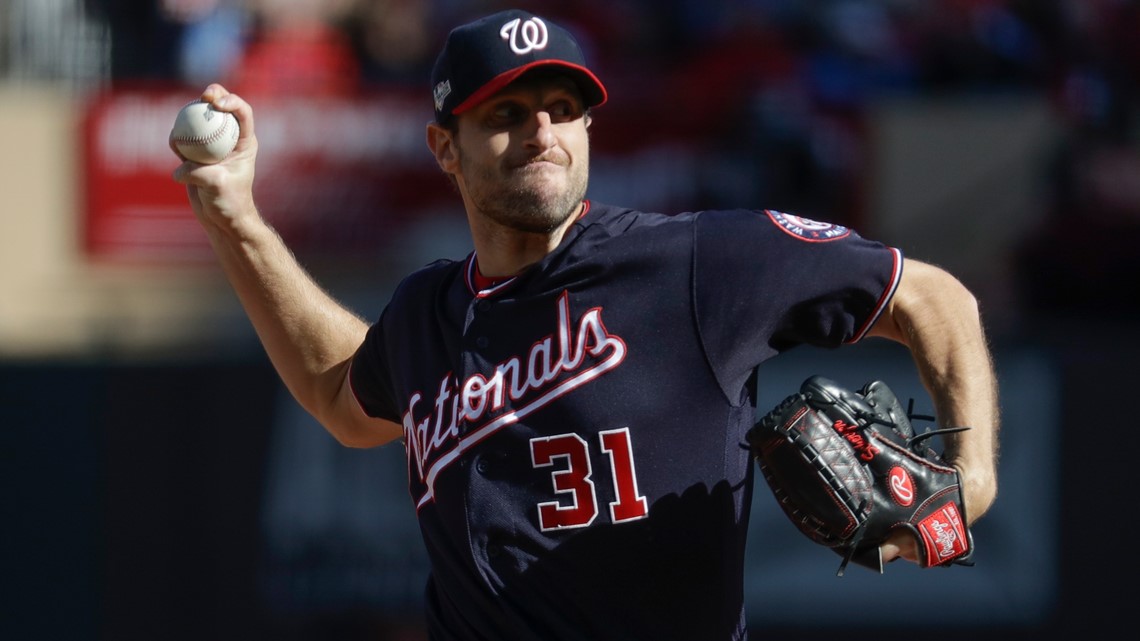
x=847, y=469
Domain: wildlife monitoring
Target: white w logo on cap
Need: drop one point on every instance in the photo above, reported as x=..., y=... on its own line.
x=532, y=35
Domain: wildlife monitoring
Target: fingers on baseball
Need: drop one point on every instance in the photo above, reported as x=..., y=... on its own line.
x=224, y=100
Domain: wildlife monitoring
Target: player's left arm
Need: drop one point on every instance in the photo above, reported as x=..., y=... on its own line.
x=938, y=319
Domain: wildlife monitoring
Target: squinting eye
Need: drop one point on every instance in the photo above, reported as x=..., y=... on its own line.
x=563, y=109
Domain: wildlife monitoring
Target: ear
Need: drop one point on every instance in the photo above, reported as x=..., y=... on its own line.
x=442, y=144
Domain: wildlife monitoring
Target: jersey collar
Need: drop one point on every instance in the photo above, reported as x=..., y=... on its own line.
x=482, y=286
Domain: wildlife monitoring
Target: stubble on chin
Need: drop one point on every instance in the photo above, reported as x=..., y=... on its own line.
x=525, y=206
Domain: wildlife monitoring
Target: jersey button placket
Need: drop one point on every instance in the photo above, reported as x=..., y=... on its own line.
x=485, y=470
x=482, y=306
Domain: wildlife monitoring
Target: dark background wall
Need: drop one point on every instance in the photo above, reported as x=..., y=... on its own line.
x=131, y=498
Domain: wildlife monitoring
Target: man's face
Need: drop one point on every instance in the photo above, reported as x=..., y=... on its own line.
x=524, y=154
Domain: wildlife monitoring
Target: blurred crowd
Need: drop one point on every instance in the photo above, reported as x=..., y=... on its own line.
x=780, y=85
x=836, y=53
x=1086, y=52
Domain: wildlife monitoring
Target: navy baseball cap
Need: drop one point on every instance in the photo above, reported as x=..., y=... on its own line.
x=481, y=57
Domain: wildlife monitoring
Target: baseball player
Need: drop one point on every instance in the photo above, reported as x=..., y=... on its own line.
x=573, y=395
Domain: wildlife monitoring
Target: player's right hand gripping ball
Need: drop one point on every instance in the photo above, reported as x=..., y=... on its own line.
x=203, y=134
x=847, y=469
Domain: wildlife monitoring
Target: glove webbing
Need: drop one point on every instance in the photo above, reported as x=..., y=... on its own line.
x=914, y=441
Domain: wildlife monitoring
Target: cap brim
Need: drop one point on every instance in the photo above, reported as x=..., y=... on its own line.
x=593, y=91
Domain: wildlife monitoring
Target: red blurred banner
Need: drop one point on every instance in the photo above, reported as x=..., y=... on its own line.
x=335, y=175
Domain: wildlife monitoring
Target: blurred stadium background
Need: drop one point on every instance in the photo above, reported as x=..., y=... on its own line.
x=158, y=483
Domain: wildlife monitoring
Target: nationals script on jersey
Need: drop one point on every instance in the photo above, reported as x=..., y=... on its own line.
x=567, y=358
x=575, y=434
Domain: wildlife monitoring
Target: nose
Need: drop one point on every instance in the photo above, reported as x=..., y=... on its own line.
x=541, y=134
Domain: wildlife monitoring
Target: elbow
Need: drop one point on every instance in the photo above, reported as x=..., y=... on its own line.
x=967, y=300
x=358, y=431
x=354, y=439
x=350, y=441
x=935, y=298
x=346, y=433
x=938, y=285
x=344, y=418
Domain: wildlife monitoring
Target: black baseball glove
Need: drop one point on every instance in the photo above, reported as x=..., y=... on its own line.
x=847, y=469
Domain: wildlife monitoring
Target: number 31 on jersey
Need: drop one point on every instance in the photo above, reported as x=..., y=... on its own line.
x=571, y=474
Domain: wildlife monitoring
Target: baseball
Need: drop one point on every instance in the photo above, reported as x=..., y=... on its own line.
x=204, y=135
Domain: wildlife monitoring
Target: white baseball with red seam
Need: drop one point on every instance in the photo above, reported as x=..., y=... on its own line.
x=203, y=134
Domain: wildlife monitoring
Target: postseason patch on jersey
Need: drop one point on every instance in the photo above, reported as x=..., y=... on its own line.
x=805, y=228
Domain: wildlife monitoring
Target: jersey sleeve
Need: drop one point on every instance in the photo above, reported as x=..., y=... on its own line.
x=370, y=377
x=766, y=281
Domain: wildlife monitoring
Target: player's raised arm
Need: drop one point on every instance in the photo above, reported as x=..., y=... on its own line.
x=310, y=338
x=935, y=316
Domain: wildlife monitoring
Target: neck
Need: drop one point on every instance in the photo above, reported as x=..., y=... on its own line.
x=505, y=252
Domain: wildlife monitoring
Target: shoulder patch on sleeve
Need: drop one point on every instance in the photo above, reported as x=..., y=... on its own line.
x=805, y=228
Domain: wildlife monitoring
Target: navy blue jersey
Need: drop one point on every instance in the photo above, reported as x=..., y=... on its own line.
x=575, y=434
